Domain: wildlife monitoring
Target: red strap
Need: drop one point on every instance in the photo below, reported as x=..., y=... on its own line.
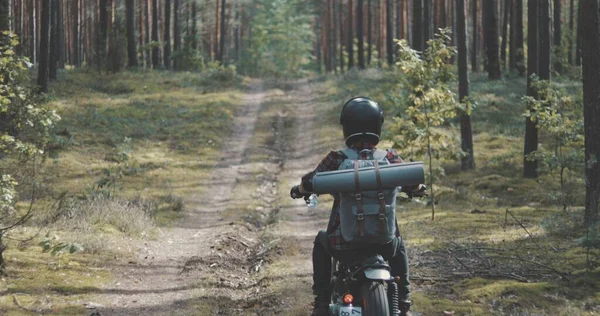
x=360, y=211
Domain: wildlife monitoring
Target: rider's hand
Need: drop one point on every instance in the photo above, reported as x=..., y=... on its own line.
x=420, y=191
x=295, y=192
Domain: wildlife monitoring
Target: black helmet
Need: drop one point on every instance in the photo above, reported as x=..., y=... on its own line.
x=361, y=119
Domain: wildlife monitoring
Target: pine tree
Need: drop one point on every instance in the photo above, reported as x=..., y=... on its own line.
x=131, y=49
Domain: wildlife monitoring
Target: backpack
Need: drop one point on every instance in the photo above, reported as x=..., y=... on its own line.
x=367, y=217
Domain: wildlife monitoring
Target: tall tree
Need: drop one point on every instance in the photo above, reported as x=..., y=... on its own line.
x=52, y=60
x=531, y=132
x=167, y=35
x=491, y=39
x=466, y=134
x=42, y=79
x=591, y=106
x=557, y=23
x=417, y=27
x=571, y=28
x=579, y=39
x=176, y=31
x=194, y=28
x=4, y=15
x=341, y=28
x=223, y=29
x=474, y=20
x=350, y=43
x=545, y=39
x=558, y=34
x=75, y=43
x=369, y=31
x=519, y=37
x=147, y=32
x=154, y=34
x=427, y=21
x=102, y=32
x=507, y=9
x=512, y=47
x=389, y=22
x=131, y=49
x=360, y=35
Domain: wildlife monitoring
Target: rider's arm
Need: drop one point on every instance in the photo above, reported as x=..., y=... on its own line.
x=331, y=162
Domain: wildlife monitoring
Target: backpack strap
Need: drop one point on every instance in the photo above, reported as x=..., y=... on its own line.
x=380, y=196
x=360, y=210
x=350, y=153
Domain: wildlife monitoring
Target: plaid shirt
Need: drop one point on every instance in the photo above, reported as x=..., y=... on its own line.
x=331, y=162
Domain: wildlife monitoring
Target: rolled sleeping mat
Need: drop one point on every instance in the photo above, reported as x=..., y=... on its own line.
x=394, y=175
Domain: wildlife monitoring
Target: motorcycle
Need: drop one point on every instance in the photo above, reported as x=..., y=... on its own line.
x=361, y=287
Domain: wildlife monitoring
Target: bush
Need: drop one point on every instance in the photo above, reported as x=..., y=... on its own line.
x=104, y=214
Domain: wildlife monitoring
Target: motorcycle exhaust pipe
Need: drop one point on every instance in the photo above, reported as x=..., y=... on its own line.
x=394, y=175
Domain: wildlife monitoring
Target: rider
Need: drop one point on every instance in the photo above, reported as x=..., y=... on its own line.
x=361, y=119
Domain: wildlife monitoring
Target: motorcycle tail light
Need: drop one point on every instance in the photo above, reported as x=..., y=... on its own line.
x=348, y=298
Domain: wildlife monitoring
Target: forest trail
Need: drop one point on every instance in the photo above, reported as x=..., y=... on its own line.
x=222, y=258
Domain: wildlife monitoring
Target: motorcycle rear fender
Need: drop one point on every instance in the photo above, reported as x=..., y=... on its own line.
x=378, y=274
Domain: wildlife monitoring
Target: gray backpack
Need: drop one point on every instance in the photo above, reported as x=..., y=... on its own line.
x=367, y=217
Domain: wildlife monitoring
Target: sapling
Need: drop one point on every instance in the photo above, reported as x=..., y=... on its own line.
x=430, y=103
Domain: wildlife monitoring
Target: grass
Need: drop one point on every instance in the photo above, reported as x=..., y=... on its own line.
x=148, y=139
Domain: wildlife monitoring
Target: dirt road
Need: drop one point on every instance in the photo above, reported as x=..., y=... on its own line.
x=242, y=248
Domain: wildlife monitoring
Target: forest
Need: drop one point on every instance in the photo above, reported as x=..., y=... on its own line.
x=147, y=150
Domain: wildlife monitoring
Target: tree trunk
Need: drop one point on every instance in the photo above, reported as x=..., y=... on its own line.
x=103, y=28
x=359, y=34
x=427, y=21
x=591, y=106
x=147, y=32
x=341, y=27
x=52, y=63
x=131, y=49
x=466, y=134
x=389, y=31
x=350, y=47
x=507, y=9
x=491, y=39
x=140, y=26
x=399, y=20
x=32, y=31
x=42, y=79
x=176, y=31
x=369, y=32
x=167, y=35
x=531, y=132
x=580, y=34
x=194, y=26
x=75, y=48
x=4, y=15
x=558, y=34
x=571, y=28
x=155, y=34
x=519, y=38
x=417, y=40
x=474, y=64
x=223, y=33
x=512, y=48
x=60, y=31
x=545, y=39
x=557, y=23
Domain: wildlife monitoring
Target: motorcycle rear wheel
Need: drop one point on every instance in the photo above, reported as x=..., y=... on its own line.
x=374, y=299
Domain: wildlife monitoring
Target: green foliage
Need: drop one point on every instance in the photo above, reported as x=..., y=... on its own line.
x=55, y=247
x=281, y=39
x=25, y=124
x=560, y=121
x=429, y=101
